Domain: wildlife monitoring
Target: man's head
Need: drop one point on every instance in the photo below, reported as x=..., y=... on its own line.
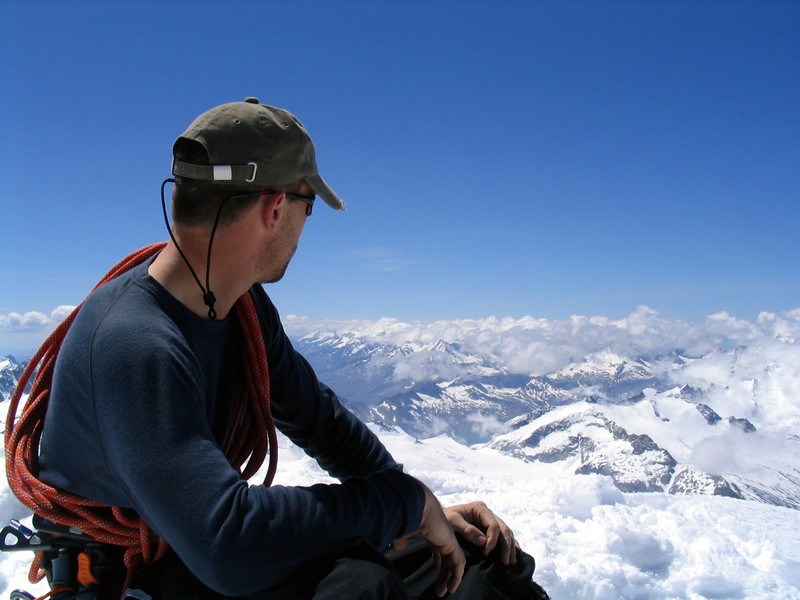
x=236, y=149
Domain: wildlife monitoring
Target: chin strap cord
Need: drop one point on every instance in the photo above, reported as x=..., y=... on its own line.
x=246, y=445
x=208, y=296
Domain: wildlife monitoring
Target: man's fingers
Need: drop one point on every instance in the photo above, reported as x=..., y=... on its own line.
x=470, y=533
x=447, y=554
x=451, y=571
x=480, y=526
x=502, y=538
x=498, y=535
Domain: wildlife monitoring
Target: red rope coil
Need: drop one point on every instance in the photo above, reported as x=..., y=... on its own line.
x=248, y=441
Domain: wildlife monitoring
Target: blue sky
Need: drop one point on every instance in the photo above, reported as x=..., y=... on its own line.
x=496, y=158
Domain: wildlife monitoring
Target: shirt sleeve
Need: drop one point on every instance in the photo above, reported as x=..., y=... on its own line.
x=310, y=414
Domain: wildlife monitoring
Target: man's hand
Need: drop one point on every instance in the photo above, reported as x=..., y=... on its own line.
x=481, y=527
x=447, y=554
x=476, y=523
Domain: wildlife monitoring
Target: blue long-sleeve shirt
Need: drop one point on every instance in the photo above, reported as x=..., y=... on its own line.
x=139, y=407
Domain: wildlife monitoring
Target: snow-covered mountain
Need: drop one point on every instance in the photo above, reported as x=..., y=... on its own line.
x=10, y=371
x=720, y=423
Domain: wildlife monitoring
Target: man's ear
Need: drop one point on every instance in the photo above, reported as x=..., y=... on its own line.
x=273, y=209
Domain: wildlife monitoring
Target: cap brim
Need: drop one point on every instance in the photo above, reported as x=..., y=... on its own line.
x=324, y=191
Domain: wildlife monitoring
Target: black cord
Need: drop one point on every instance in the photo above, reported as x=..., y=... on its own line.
x=208, y=296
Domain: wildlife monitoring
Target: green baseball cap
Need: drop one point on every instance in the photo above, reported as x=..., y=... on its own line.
x=254, y=144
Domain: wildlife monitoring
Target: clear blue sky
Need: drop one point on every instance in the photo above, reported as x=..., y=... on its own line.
x=496, y=158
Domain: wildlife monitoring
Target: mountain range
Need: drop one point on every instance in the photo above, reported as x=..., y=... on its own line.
x=647, y=422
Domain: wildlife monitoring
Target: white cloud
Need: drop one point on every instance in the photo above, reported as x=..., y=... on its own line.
x=61, y=312
x=538, y=346
x=28, y=319
x=22, y=333
x=765, y=350
x=714, y=455
x=34, y=319
x=382, y=259
x=486, y=425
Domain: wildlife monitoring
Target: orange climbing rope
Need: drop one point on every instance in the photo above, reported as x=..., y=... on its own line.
x=247, y=441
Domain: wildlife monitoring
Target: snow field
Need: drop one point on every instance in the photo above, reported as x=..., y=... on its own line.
x=591, y=541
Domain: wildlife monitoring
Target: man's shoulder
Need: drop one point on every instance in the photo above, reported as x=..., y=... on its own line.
x=123, y=309
x=125, y=298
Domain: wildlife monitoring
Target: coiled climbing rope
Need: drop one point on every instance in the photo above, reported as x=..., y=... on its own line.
x=250, y=438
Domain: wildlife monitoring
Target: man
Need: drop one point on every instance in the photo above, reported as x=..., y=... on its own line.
x=144, y=392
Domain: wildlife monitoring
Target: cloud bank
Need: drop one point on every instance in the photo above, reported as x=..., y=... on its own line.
x=33, y=320
x=22, y=333
x=537, y=346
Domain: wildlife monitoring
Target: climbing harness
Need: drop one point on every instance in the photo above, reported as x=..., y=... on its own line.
x=76, y=565
x=246, y=445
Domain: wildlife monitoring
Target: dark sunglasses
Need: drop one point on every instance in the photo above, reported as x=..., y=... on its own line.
x=309, y=200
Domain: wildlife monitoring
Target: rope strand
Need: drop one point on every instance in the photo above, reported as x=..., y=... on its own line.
x=250, y=440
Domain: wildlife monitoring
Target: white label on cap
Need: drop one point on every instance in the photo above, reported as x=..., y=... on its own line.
x=223, y=173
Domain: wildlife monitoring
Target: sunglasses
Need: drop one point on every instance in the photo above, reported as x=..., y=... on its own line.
x=309, y=200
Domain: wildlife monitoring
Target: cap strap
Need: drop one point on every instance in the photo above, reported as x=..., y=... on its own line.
x=242, y=173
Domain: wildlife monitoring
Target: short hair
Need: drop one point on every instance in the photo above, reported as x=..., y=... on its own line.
x=196, y=202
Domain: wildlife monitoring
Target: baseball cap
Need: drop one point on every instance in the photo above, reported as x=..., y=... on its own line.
x=249, y=143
